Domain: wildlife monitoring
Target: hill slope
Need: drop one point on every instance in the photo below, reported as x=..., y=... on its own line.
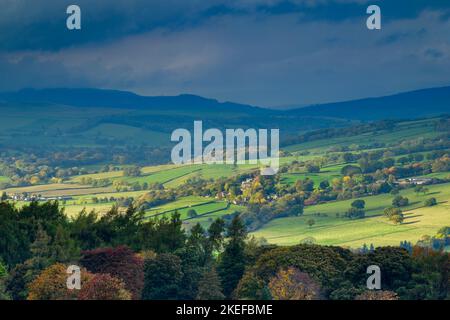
x=414, y=104
x=93, y=117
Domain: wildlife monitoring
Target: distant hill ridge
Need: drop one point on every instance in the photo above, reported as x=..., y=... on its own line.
x=419, y=103
x=413, y=104
x=88, y=97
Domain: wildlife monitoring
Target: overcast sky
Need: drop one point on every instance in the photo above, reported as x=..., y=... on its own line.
x=261, y=52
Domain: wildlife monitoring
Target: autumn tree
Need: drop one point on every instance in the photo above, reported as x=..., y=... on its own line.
x=104, y=287
x=120, y=262
x=397, y=219
x=132, y=171
x=322, y=263
x=394, y=214
x=51, y=284
x=291, y=284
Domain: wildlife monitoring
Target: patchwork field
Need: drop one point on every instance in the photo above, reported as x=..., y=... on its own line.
x=326, y=173
x=404, y=131
x=328, y=229
x=207, y=209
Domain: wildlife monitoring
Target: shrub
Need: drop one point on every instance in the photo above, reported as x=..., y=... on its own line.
x=310, y=222
x=354, y=213
x=359, y=204
x=191, y=213
x=430, y=202
x=400, y=201
x=397, y=218
x=350, y=170
x=312, y=168
x=389, y=212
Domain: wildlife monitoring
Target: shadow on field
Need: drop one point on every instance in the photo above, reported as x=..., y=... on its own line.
x=412, y=222
x=413, y=216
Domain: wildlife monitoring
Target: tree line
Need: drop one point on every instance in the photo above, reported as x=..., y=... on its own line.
x=124, y=256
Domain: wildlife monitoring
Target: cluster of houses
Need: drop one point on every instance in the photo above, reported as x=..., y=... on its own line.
x=415, y=181
x=27, y=197
x=408, y=181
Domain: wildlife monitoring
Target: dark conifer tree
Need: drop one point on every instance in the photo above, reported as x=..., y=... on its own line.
x=232, y=261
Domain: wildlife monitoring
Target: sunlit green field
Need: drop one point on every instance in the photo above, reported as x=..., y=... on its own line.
x=4, y=179
x=202, y=209
x=326, y=173
x=207, y=219
x=180, y=203
x=99, y=208
x=206, y=208
x=375, y=228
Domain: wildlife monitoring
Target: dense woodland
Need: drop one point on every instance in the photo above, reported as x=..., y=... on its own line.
x=124, y=256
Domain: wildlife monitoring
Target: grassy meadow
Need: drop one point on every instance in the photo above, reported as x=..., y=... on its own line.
x=375, y=228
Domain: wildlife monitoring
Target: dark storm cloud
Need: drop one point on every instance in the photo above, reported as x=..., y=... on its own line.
x=263, y=52
x=41, y=24
x=28, y=24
